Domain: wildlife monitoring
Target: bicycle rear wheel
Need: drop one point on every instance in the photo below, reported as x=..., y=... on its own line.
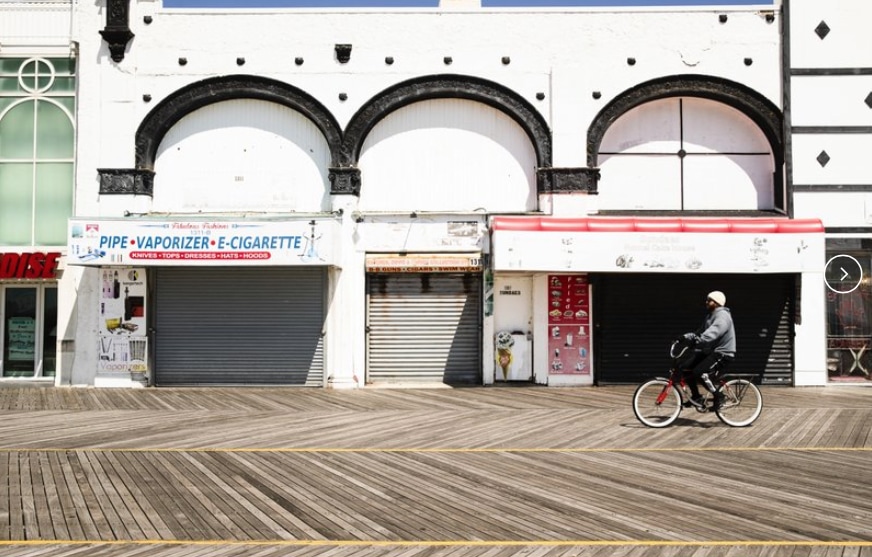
x=656, y=403
x=742, y=403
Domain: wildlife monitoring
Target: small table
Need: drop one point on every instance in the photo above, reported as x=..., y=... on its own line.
x=857, y=347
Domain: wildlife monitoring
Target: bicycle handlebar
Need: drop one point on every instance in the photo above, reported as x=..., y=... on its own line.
x=679, y=347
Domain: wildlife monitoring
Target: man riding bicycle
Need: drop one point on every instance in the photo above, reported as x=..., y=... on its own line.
x=714, y=348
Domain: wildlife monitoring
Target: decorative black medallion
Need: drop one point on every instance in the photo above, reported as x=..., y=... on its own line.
x=344, y=180
x=567, y=180
x=823, y=159
x=130, y=181
x=343, y=53
x=822, y=30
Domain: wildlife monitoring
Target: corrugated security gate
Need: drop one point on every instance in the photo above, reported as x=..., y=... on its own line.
x=637, y=316
x=239, y=326
x=424, y=327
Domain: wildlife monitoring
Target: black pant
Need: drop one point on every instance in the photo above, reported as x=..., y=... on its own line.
x=699, y=363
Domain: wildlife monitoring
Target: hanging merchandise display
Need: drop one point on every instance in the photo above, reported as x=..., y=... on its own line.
x=123, y=342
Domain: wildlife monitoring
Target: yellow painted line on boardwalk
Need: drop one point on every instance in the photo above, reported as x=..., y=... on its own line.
x=449, y=543
x=431, y=450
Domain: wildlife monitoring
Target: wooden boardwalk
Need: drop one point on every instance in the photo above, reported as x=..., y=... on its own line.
x=476, y=472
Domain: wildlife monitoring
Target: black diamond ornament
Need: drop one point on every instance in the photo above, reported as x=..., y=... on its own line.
x=822, y=30
x=823, y=159
x=869, y=100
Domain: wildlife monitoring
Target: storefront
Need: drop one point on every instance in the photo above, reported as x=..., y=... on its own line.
x=640, y=314
x=424, y=318
x=638, y=283
x=424, y=286
x=28, y=314
x=849, y=309
x=209, y=302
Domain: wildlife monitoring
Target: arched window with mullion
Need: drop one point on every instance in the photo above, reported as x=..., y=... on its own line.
x=685, y=154
x=37, y=149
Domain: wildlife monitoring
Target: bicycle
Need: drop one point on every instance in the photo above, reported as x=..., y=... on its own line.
x=658, y=402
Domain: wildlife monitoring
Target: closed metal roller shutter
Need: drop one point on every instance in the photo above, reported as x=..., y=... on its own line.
x=638, y=316
x=239, y=326
x=424, y=327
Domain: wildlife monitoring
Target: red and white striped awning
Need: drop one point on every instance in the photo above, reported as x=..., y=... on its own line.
x=650, y=244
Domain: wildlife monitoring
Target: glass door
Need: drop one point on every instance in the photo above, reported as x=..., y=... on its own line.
x=29, y=325
x=19, y=318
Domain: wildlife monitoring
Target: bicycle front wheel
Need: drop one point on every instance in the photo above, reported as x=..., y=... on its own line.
x=742, y=403
x=656, y=403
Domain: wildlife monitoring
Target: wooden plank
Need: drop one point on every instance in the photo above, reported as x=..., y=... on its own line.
x=8, y=499
x=58, y=500
x=107, y=499
x=81, y=524
x=94, y=520
x=29, y=505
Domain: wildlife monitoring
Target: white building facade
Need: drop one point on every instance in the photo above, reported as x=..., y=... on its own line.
x=828, y=84
x=37, y=158
x=458, y=195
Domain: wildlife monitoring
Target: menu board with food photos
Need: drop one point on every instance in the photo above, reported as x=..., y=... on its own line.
x=569, y=325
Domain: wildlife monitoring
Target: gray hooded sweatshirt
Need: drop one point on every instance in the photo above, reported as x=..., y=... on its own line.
x=717, y=333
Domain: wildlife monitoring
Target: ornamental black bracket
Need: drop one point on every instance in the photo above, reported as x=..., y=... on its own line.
x=117, y=32
x=344, y=180
x=130, y=181
x=567, y=180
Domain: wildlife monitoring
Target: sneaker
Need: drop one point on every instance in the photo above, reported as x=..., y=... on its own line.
x=718, y=400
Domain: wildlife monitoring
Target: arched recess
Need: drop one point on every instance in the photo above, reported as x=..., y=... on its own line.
x=447, y=86
x=755, y=106
x=197, y=95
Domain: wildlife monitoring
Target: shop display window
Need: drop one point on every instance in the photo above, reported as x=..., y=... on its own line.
x=849, y=309
x=29, y=326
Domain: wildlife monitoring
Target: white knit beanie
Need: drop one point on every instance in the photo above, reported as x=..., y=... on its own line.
x=718, y=297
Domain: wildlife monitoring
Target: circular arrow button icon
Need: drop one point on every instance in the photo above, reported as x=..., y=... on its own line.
x=843, y=274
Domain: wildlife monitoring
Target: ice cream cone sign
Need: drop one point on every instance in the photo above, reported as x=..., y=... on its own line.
x=504, y=343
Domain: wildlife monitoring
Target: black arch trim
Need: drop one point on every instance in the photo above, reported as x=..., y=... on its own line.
x=202, y=93
x=758, y=108
x=442, y=87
